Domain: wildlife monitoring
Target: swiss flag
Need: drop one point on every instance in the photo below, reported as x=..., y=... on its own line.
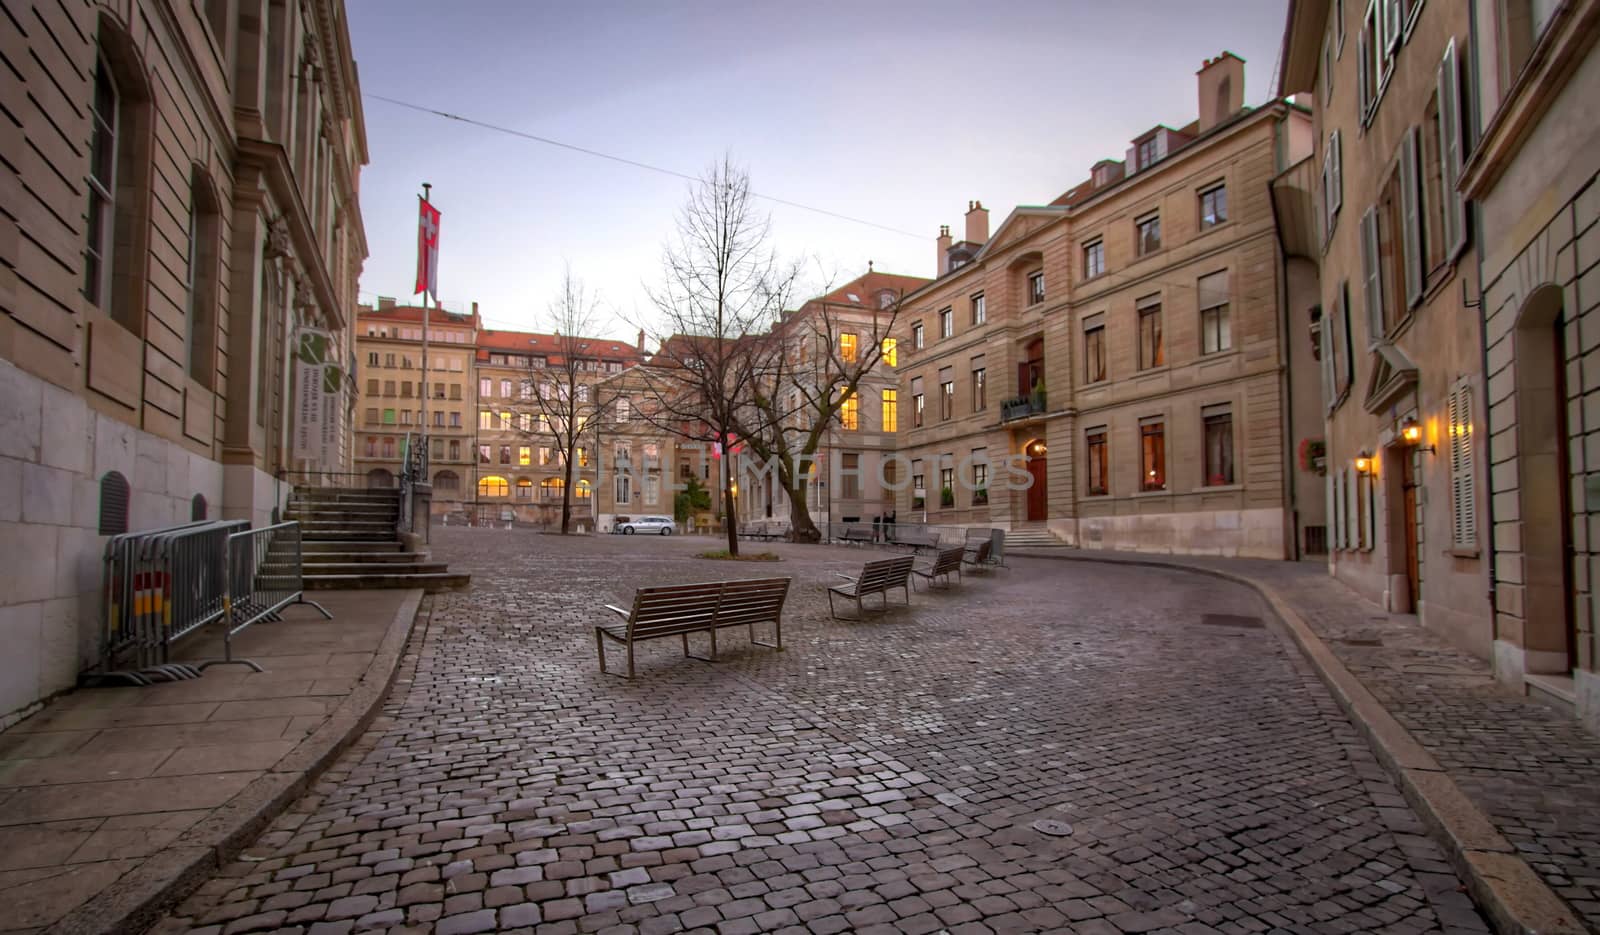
x=427, y=249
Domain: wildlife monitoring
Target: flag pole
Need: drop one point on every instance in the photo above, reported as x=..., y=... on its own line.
x=422, y=430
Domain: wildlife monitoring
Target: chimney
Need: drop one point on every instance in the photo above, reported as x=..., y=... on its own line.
x=942, y=264
x=977, y=222
x=640, y=345
x=1221, y=89
x=385, y=302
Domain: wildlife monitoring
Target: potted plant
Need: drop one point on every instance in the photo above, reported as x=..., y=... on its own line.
x=947, y=497
x=980, y=497
x=1038, y=395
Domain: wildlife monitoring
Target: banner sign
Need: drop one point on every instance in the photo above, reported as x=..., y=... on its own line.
x=319, y=380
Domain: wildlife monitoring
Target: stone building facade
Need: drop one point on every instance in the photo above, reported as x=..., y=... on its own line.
x=1112, y=366
x=178, y=209
x=392, y=383
x=1398, y=342
x=518, y=461
x=1533, y=177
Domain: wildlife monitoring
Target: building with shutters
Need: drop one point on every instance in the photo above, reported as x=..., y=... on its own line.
x=1397, y=330
x=179, y=213
x=1125, y=351
x=1533, y=174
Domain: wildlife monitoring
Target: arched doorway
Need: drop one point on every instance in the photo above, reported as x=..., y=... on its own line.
x=1543, y=481
x=379, y=479
x=1038, y=491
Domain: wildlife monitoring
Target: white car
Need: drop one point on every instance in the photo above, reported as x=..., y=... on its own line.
x=661, y=525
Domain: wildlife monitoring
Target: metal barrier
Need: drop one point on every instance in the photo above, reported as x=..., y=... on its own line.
x=159, y=585
x=265, y=575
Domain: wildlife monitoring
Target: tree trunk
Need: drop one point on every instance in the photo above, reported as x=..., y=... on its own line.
x=801, y=527
x=566, y=497
x=729, y=520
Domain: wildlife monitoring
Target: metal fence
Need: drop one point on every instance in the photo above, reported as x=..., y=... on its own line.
x=160, y=585
x=918, y=536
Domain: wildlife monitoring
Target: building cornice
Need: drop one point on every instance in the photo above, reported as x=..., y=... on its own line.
x=1564, y=46
x=271, y=160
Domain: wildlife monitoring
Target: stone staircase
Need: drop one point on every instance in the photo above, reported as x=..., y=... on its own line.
x=348, y=540
x=1031, y=536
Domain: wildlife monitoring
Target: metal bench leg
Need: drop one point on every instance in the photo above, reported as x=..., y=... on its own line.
x=600, y=647
x=630, y=659
x=713, y=632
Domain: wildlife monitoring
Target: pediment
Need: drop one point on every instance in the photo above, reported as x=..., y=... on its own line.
x=1021, y=225
x=1393, y=375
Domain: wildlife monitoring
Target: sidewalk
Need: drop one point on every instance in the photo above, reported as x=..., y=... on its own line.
x=1501, y=776
x=113, y=800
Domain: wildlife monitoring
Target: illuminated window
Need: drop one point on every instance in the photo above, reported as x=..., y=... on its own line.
x=891, y=352
x=524, y=455
x=583, y=491
x=847, y=347
x=891, y=410
x=849, y=413
x=493, y=486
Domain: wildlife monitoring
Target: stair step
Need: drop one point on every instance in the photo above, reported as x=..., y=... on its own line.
x=377, y=558
x=375, y=511
x=358, y=568
x=335, y=525
x=345, y=535
x=437, y=581
x=316, y=546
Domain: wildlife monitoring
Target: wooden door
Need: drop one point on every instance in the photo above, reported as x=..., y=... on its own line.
x=1038, y=493
x=1408, y=486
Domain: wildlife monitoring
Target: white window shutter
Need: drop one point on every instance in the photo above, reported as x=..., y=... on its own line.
x=1352, y=510
x=1393, y=25
x=1337, y=516
x=1411, y=210
x=1336, y=148
x=1452, y=148
x=1363, y=73
x=1369, y=512
x=1331, y=530
x=1372, y=276
x=1325, y=337
x=1462, y=478
x=1327, y=196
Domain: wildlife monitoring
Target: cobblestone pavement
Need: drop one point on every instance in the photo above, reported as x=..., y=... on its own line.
x=1057, y=747
x=1532, y=769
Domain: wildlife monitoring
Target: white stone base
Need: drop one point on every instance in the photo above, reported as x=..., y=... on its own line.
x=1508, y=668
x=54, y=450
x=1587, y=687
x=1226, y=533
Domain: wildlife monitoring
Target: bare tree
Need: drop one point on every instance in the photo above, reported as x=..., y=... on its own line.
x=722, y=288
x=558, y=401
x=809, y=382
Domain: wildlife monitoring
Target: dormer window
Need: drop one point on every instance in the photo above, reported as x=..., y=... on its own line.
x=885, y=299
x=1148, y=153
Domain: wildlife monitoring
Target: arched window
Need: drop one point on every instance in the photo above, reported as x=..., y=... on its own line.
x=583, y=491
x=493, y=486
x=447, y=480
x=197, y=508
x=379, y=479
x=113, y=504
x=551, y=487
x=200, y=334
x=524, y=489
x=118, y=174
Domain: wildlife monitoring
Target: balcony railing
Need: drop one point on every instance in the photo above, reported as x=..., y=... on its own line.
x=1022, y=407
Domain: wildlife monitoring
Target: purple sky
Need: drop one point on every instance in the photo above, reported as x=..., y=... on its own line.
x=890, y=111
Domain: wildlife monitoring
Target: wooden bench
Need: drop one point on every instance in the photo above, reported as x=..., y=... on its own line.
x=979, y=556
x=879, y=577
x=861, y=534
x=945, y=563
x=915, y=538
x=681, y=609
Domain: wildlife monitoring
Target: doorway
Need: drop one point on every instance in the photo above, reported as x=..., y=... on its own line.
x=1543, y=479
x=1408, y=523
x=1038, y=491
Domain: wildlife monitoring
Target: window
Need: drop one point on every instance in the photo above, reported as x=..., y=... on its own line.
x=455, y=391
x=524, y=489
x=1152, y=353
x=372, y=446
x=1094, y=259
x=505, y=389
x=891, y=410
x=201, y=317
x=1218, y=426
x=1036, y=287
x=372, y=416
x=438, y=419
x=1413, y=261
x=544, y=455
x=1463, y=500
x=847, y=347
x=947, y=393
x=372, y=386
x=505, y=454
x=455, y=449
x=388, y=447
x=624, y=409
x=405, y=417
x=1452, y=150
x=372, y=358
x=1147, y=237
x=624, y=487
x=652, y=487
x=1153, y=455
x=947, y=486
x=485, y=387
x=455, y=420
x=505, y=421
x=388, y=417
x=388, y=361
x=1095, y=443
x=916, y=336
x=1216, y=332
x=1149, y=152
x=493, y=486
x=947, y=325
x=583, y=456
x=583, y=392
x=447, y=480
x=405, y=389
x=485, y=419
x=525, y=455
x=1332, y=184
x=979, y=313
x=980, y=384
x=1094, y=350
x=106, y=152
x=850, y=412
x=918, y=409
x=918, y=488
x=485, y=454
x=850, y=476
x=1371, y=63
x=584, y=491
x=1327, y=69
x=1213, y=206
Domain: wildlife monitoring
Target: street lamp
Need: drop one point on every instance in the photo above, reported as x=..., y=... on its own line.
x=1411, y=432
x=1364, y=462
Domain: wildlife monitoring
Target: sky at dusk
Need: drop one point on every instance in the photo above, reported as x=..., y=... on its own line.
x=892, y=112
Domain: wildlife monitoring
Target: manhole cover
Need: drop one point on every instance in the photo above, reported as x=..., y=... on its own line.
x=1052, y=827
x=1230, y=620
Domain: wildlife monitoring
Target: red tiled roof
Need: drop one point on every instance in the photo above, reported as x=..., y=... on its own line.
x=551, y=346
x=866, y=287
x=413, y=313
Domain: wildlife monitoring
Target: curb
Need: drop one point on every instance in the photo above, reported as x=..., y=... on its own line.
x=141, y=897
x=1511, y=894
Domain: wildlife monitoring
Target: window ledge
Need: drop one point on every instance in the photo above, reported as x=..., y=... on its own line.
x=1462, y=553
x=1218, y=488
x=1151, y=493
x=1096, y=496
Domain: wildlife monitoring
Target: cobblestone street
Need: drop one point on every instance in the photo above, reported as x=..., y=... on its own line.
x=1059, y=746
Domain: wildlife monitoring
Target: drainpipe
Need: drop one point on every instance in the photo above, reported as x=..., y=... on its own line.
x=1476, y=214
x=1288, y=385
